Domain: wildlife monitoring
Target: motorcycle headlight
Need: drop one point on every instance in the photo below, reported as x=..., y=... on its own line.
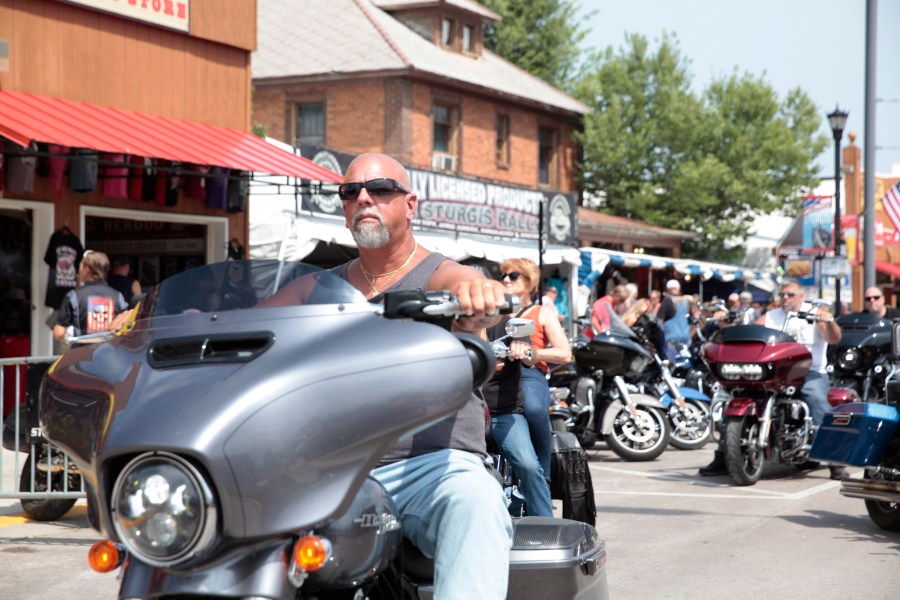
x=848, y=359
x=163, y=510
x=741, y=371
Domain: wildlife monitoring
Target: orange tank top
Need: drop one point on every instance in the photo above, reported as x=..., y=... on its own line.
x=538, y=339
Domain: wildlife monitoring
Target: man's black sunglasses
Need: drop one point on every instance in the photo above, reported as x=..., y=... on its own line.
x=512, y=276
x=375, y=187
x=788, y=294
x=872, y=298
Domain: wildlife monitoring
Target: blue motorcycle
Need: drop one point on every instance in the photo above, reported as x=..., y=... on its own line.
x=866, y=434
x=687, y=409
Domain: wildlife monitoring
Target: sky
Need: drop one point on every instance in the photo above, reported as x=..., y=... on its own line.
x=818, y=45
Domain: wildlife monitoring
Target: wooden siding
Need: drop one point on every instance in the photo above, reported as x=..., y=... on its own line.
x=225, y=21
x=62, y=50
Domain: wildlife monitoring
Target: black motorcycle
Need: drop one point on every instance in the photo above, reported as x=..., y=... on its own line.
x=595, y=395
x=52, y=482
x=861, y=360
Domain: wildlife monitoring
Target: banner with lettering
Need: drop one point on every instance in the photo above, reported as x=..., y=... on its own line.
x=465, y=206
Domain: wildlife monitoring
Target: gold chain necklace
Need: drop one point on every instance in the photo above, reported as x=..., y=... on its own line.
x=371, y=278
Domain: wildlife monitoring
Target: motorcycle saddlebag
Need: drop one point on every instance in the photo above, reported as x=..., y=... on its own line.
x=570, y=478
x=855, y=434
x=556, y=558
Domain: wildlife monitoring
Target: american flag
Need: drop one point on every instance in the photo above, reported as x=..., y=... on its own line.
x=891, y=204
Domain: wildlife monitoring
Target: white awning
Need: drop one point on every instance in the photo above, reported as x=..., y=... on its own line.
x=293, y=238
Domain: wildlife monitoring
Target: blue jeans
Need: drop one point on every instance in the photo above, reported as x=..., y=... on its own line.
x=454, y=511
x=815, y=393
x=510, y=432
x=537, y=400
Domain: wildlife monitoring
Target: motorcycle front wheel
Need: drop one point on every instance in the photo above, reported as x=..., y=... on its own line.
x=639, y=438
x=691, y=427
x=886, y=514
x=743, y=457
x=46, y=509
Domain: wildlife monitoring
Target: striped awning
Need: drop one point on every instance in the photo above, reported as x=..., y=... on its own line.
x=594, y=261
x=27, y=117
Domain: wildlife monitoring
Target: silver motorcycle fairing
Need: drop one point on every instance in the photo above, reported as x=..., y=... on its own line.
x=258, y=429
x=613, y=408
x=258, y=570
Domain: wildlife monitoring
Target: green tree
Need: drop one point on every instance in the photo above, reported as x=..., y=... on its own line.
x=541, y=36
x=655, y=151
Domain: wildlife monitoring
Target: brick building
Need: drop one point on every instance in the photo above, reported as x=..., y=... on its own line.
x=487, y=144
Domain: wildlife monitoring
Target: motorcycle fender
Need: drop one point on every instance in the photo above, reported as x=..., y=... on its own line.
x=689, y=393
x=251, y=571
x=613, y=408
x=741, y=407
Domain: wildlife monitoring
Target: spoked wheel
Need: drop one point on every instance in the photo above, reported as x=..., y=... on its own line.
x=640, y=437
x=692, y=426
x=886, y=514
x=743, y=456
x=47, y=509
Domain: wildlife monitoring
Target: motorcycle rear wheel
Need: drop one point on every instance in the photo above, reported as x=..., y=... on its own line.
x=692, y=428
x=743, y=457
x=46, y=509
x=886, y=514
x=640, y=439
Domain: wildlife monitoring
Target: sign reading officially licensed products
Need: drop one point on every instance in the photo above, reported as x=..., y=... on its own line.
x=172, y=14
x=452, y=204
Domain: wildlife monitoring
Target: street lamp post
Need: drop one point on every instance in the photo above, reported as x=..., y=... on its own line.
x=837, y=119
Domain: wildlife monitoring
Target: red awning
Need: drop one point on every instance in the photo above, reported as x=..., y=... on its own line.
x=888, y=269
x=27, y=117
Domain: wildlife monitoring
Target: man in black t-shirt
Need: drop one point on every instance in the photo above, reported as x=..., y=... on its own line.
x=874, y=304
x=92, y=307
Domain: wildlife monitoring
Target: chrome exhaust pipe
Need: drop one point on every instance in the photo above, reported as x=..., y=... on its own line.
x=871, y=489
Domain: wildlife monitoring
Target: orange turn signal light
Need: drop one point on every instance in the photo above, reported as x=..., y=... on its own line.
x=104, y=556
x=311, y=552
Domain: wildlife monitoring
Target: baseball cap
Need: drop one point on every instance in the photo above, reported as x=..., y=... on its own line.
x=673, y=284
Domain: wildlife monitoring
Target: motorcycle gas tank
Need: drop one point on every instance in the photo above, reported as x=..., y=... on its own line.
x=285, y=410
x=758, y=344
x=364, y=540
x=612, y=353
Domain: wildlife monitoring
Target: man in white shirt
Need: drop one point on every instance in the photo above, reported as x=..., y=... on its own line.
x=816, y=337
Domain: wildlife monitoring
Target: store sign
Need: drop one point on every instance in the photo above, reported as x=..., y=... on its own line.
x=448, y=203
x=836, y=266
x=171, y=14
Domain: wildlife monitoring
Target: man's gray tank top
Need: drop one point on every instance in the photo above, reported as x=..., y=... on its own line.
x=463, y=431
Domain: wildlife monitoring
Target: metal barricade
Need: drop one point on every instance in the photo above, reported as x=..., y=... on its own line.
x=30, y=467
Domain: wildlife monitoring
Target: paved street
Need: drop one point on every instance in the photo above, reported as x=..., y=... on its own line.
x=670, y=535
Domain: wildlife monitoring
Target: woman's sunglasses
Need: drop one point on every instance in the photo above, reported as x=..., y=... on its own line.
x=512, y=275
x=375, y=187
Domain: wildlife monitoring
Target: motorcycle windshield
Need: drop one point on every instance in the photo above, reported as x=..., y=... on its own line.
x=240, y=284
x=742, y=334
x=616, y=325
x=859, y=329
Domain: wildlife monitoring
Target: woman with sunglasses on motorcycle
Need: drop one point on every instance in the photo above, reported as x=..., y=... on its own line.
x=549, y=345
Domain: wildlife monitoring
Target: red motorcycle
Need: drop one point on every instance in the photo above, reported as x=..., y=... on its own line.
x=765, y=421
